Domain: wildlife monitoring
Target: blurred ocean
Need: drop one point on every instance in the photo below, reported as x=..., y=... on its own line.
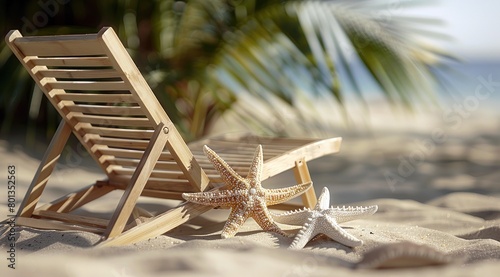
x=470, y=79
x=458, y=80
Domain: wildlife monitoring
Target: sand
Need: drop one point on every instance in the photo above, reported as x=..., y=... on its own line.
x=439, y=237
x=442, y=217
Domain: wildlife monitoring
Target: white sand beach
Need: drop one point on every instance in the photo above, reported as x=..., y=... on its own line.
x=440, y=218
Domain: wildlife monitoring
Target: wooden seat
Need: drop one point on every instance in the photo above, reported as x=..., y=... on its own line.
x=108, y=106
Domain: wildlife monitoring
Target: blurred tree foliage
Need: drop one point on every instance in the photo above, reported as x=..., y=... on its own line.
x=201, y=56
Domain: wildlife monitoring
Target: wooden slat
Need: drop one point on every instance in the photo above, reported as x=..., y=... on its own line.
x=88, y=85
x=237, y=159
x=167, y=185
x=251, y=139
x=96, y=98
x=174, y=175
x=163, y=194
x=249, y=151
x=118, y=152
x=243, y=146
x=54, y=225
x=79, y=73
x=122, y=143
x=129, y=153
x=241, y=151
x=73, y=218
x=177, y=185
x=172, y=166
x=307, y=152
x=70, y=45
x=105, y=110
x=119, y=133
x=112, y=120
x=72, y=61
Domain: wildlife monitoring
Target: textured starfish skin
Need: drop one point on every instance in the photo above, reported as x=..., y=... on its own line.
x=245, y=196
x=324, y=220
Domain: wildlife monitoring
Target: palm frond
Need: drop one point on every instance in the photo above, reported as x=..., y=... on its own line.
x=268, y=57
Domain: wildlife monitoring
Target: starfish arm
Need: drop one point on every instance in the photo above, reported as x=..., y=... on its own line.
x=232, y=179
x=255, y=171
x=297, y=217
x=222, y=198
x=323, y=199
x=305, y=234
x=330, y=228
x=263, y=217
x=344, y=214
x=276, y=196
x=239, y=214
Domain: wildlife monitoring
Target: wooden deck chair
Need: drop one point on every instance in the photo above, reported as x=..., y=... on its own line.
x=108, y=106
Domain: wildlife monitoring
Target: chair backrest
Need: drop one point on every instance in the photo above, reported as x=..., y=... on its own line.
x=97, y=89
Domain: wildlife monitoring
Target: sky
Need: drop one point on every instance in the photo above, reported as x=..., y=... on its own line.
x=473, y=25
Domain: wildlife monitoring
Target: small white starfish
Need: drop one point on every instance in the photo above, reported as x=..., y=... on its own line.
x=324, y=220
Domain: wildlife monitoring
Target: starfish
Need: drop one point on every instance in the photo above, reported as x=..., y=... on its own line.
x=245, y=196
x=324, y=220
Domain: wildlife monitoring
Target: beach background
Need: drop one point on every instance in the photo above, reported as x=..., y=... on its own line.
x=434, y=173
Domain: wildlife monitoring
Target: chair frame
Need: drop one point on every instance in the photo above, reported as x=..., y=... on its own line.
x=159, y=137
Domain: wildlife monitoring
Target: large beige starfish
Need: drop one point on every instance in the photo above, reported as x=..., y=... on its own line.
x=245, y=196
x=324, y=220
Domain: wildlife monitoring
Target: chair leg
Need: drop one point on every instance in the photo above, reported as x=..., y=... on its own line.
x=137, y=183
x=45, y=170
x=158, y=225
x=301, y=172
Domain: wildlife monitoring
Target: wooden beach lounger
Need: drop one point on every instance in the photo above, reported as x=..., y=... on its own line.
x=107, y=105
